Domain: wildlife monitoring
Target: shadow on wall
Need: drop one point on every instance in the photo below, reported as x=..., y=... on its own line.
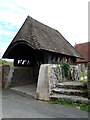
x=18, y=76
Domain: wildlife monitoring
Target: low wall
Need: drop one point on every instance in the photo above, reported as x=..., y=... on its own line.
x=18, y=76
x=48, y=78
x=22, y=76
x=5, y=73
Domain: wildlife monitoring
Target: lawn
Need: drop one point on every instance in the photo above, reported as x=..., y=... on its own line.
x=83, y=81
x=85, y=74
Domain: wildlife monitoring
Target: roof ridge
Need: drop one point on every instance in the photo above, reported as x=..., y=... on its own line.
x=29, y=17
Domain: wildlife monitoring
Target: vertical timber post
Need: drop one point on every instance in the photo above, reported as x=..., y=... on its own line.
x=15, y=62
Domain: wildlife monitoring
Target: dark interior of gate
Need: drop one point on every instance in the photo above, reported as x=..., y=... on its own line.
x=27, y=61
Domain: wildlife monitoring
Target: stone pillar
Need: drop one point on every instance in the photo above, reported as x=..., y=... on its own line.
x=5, y=73
x=42, y=92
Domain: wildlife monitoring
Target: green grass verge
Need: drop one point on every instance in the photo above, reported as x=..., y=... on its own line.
x=81, y=74
x=70, y=102
x=83, y=81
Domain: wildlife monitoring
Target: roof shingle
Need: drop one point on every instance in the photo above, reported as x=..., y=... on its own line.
x=43, y=37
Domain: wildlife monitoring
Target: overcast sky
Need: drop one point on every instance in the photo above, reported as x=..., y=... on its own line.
x=69, y=17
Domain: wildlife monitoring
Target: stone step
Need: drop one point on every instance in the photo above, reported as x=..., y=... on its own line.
x=72, y=85
x=70, y=92
x=77, y=99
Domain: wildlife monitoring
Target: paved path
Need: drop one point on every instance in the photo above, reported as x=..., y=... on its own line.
x=19, y=106
x=27, y=89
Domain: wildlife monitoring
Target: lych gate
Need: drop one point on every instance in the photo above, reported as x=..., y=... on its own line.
x=37, y=44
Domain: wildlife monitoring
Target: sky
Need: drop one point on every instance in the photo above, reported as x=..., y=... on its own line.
x=69, y=17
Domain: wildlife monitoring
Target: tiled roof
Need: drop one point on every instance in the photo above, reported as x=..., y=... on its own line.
x=42, y=37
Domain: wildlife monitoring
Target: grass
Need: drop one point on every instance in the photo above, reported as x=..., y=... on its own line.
x=81, y=74
x=70, y=102
x=83, y=81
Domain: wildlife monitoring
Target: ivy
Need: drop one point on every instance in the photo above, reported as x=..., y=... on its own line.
x=62, y=71
x=65, y=70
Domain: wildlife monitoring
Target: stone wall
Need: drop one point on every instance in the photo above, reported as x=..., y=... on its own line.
x=51, y=77
x=5, y=72
x=55, y=73
x=47, y=80
x=22, y=76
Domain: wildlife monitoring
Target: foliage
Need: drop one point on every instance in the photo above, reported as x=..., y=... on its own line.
x=62, y=72
x=3, y=62
x=65, y=70
x=83, y=81
x=0, y=62
x=81, y=74
x=51, y=93
x=69, y=102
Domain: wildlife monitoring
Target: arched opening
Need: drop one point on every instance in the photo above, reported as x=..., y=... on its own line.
x=27, y=61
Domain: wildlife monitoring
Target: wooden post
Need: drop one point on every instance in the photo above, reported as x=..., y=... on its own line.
x=69, y=60
x=45, y=58
x=63, y=60
x=58, y=60
x=15, y=62
x=49, y=59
